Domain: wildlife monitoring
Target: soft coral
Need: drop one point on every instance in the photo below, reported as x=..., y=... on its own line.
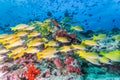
x=32, y=72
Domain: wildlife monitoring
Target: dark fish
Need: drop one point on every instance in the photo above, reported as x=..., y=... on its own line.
x=85, y=20
x=99, y=17
x=86, y=24
x=113, y=20
x=74, y=13
x=83, y=12
x=49, y=14
x=90, y=15
x=66, y=14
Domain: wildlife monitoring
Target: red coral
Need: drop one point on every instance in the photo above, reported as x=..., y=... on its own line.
x=73, y=69
x=68, y=60
x=73, y=35
x=32, y=72
x=63, y=33
x=55, y=22
x=57, y=62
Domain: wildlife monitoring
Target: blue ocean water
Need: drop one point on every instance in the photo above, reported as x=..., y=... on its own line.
x=91, y=14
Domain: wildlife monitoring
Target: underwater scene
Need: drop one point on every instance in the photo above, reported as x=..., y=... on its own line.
x=59, y=39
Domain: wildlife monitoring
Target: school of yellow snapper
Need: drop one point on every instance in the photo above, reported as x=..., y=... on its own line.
x=34, y=38
x=25, y=39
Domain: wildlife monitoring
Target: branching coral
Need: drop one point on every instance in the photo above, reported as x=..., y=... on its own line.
x=57, y=62
x=73, y=69
x=63, y=33
x=32, y=72
x=68, y=60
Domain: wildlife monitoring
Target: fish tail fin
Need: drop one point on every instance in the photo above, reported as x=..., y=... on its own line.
x=71, y=28
x=23, y=51
x=15, y=57
x=1, y=40
x=28, y=45
x=9, y=55
x=117, y=51
x=12, y=28
x=45, y=45
x=102, y=52
x=75, y=52
x=28, y=36
x=4, y=43
x=38, y=55
x=7, y=47
x=82, y=43
x=94, y=37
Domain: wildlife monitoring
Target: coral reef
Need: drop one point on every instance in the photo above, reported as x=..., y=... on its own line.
x=32, y=72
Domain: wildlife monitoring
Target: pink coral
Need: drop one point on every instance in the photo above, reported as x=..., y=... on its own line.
x=73, y=69
x=32, y=72
x=26, y=59
x=57, y=62
x=68, y=60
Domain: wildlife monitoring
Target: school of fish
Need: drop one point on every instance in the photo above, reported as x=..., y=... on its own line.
x=36, y=38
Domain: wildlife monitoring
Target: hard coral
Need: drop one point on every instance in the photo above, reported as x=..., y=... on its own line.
x=73, y=69
x=55, y=22
x=26, y=59
x=5, y=68
x=32, y=72
x=63, y=33
x=68, y=60
x=57, y=62
x=22, y=76
x=46, y=74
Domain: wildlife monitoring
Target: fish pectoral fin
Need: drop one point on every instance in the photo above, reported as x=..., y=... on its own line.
x=45, y=45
